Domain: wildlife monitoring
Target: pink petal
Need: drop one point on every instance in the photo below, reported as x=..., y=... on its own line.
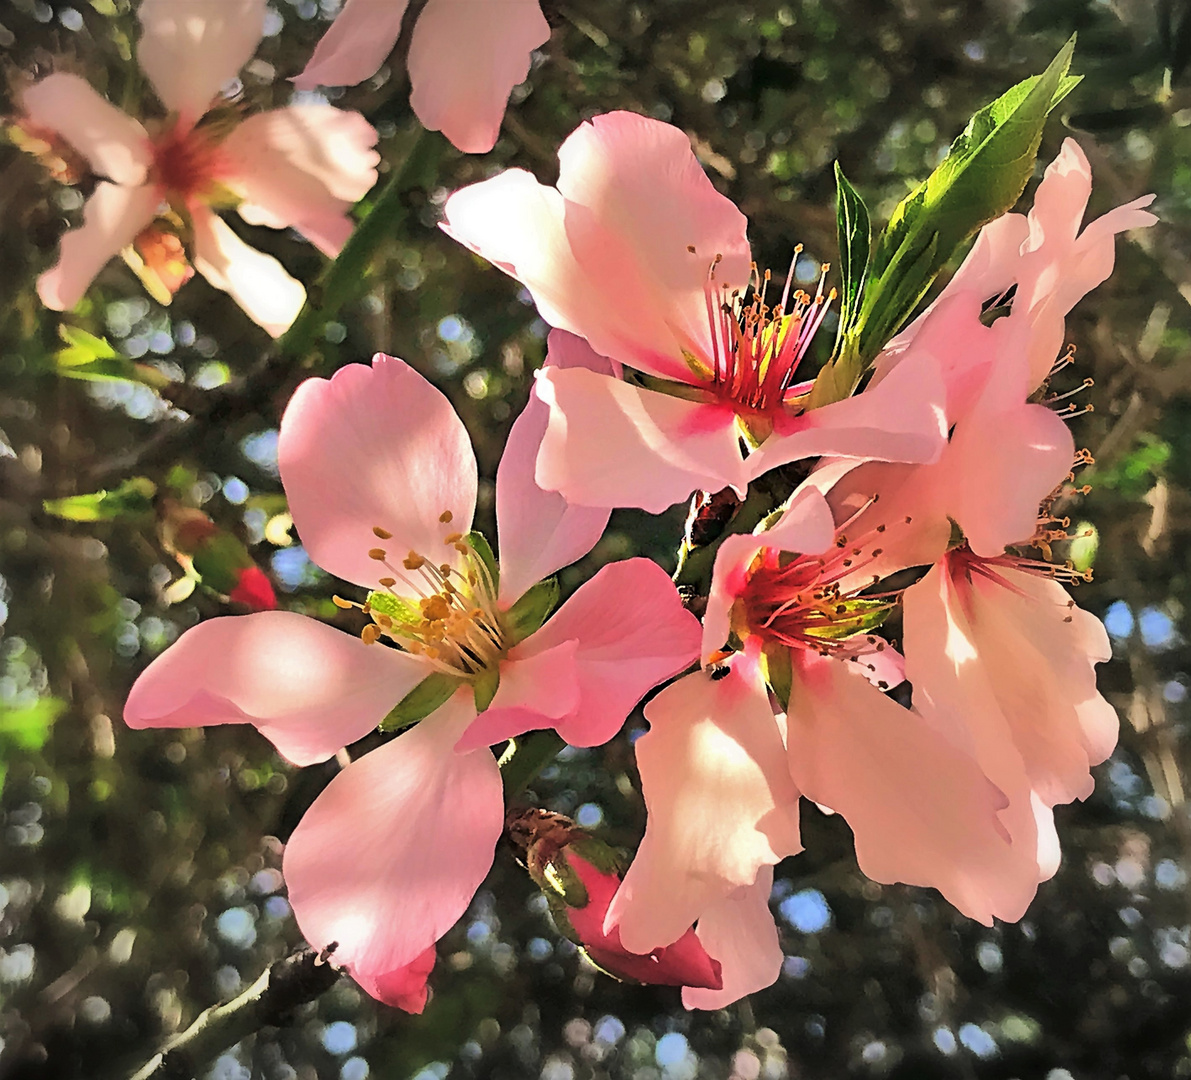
x=303, y=166
x=357, y=43
x=921, y=811
x=389, y=856
x=685, y=963
x=539, y=531
x=1060, y=200
x=720, y=800
x=739, y=931
x=608, y=259
x=637, y=201
x=112, y=217
x=612, y=444
x=257, y=282
x=805, y=528
x=901, y=418
x=113, y=143
x=191, y=49
x=375, y=447
x=535, y=690
x=464, y=60
x=404, y=988
x=308, y=688
x=632, y=633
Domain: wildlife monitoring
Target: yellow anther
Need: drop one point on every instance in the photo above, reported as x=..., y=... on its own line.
x=384, y=621
x=387, y=582
x=370, y=634
x=453, y=538
x=461, y=548
x=339, y=602
x=413, y=561
x=445, y=569
x=378, y=554
x=445, y=517
x=435, y=607
x=384, y=534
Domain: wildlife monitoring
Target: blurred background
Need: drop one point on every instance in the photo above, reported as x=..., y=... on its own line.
x=139, y=877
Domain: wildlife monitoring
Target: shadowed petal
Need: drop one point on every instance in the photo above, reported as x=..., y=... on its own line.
x=375, y=447
x=257, y=282
x=191, y=48
x=113, y=143
x=740, y=933
x=112, y=217
x=464, y=60
x=539, y=531
x=389, y=856
x=302, y=167
x=357, y=43
x=720, y=800
x=404, y=988
x=308, y=688
x=612, y=444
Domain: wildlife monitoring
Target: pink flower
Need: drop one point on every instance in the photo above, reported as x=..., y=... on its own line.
x=301, y=167
x=389, y=855
x=465, y=57
x=722, y=775
x=636, y=252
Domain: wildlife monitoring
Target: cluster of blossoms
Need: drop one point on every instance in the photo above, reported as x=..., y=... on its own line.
x=674, y=369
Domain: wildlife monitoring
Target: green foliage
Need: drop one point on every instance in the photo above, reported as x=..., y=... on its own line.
x=93, y=358
x=854, y=232
x=1135, y=472
x=434, y=690
x=26, y=728
x=485, y=687
x=531, y=610
x=130, y=500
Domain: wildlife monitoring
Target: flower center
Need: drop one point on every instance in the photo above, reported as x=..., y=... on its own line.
x=445, y=612
x=756, y=348
x=185, y=162
x=801, y=601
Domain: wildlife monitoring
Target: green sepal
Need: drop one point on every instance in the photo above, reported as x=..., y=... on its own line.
x=859, y=617
x=526, y=616
x=479, y=544
x=855, y=235
x=778, y=672
x=982, y=176
x=397, y=609
x=434, y=690
x=93, y=358
x=131, y=499
x=485, y=686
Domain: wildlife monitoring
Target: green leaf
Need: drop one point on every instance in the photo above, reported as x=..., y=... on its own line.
x=982, y=176
x=855, y=242
x=27, y=727
x=485, y=687
x=433, y=691
x=399, y=610
x=133, y=498
x=479, y=544
x=93, y=358
x=529, y=612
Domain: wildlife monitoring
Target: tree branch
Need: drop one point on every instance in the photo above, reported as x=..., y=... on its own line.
x=299, y=978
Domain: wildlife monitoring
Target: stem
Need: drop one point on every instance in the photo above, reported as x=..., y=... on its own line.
x=268, y=1002
x=695, y=563
x=531, y=754
x=340, y=282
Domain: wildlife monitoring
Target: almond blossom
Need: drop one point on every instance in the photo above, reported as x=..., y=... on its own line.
x=637, y=252
x=465, y=57
x=298, y=167
x=722, y=774
x=382, y=481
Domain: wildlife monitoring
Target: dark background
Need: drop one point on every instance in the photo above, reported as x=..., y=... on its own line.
x=138, y=870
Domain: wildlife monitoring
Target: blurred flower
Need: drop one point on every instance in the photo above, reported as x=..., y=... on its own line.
x=389, y=855
x=301, y=167
x=636, y=252
x=579, y=875
x=465, y=57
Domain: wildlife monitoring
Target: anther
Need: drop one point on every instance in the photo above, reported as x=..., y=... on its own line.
x=370, y=635
x=378, y=554
x=387, y=582
x=384, y=534
x=452, y=538
x=445, y=517
x=413, y=561
x=691, y=248
x=339, y=602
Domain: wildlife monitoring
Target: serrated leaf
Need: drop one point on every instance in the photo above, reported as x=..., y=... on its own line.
x=433, y=691
x=133, y=498
x=854, y=231
x=526, y=616
x=982, y=176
